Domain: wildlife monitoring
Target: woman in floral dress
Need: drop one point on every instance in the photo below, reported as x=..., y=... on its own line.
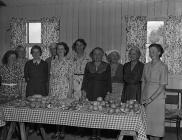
x=10, y=75
x=21, y=61
x=61, y=74
x=80, y=60
x=61, y=78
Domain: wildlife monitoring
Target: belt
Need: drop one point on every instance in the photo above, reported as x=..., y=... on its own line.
x=132, y=83
x=6, y=84
x=78, y=74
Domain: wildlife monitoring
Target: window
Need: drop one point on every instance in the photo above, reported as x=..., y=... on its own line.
x=154, y=35
x=33, y=35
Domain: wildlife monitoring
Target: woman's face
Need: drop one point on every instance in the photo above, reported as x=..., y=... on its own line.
x=154, y=53
x=97, y=55
x=79, y=47
x=53, y=50
x=36, y=53
x=12, y=59
x=114, y=57
x=133, y=55
x=21, y=52
x=60, y=50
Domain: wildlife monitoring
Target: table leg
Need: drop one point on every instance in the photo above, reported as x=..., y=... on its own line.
x=43, y=133
x=22, y=131
x=120, y=137
x=11, y=130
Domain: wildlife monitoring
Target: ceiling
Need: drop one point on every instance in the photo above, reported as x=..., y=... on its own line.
x=42, y=2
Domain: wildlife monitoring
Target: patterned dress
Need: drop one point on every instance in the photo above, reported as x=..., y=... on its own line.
x=22, y=84
x=79, y=67
x=10, y=78
x=60, y=74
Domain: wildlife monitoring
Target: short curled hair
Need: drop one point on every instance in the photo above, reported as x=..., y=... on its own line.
x=7, y=55
x=36, y=47
x=96, y=48
x=110, y=54
x=158, y=47
x=79, y=40
x=137, y=50
x=65, y=47
x=19, y=47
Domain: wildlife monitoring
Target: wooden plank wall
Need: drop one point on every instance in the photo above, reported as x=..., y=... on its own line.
x=99, y=22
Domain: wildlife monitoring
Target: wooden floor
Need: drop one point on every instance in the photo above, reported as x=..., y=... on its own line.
x=105, y=135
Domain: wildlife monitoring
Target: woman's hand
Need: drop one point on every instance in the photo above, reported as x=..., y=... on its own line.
x=83, y=96
x=147, y=101
x=107, y=97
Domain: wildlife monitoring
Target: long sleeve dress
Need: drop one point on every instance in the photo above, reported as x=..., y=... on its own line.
x=132, y=81
x=153, y=77
x=36, y=76
x=96, y=83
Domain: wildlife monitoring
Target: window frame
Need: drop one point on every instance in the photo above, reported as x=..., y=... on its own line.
x=147, y=44
x=29, y=45
x=27, y=30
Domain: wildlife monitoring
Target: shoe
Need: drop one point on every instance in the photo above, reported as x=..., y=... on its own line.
x=61, y=136
x=92, y=138
x=54, y=136
x=98, y=138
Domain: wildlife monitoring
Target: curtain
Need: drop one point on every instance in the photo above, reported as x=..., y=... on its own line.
x=17, y=32
x=49, y=33
x=136, y=35
x=173, y=44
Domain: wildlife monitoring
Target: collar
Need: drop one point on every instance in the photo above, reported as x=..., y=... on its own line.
x=37, y=61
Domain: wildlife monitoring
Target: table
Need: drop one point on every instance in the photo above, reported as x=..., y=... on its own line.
x=126, y=122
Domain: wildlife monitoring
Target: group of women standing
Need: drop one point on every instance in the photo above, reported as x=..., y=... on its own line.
x=83, y=77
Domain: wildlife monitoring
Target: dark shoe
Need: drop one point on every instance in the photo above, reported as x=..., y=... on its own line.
x=61, y=135
x=92, y=138
x=54, y=136
x=98, y=138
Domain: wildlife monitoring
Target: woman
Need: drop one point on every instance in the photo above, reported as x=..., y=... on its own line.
x=61, y=74
x=113, y=58
x=36, y=74
x=97, y=76
x=10, y=75
x=21, y=61
x=61, y=78
x=80, y=60
x=132, y=74
x=96, y=81
x=155, y=78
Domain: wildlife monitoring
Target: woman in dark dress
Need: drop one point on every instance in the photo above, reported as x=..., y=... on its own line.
x=132, y=72
x=96, y=81
x=36, y=74
x=97, y=77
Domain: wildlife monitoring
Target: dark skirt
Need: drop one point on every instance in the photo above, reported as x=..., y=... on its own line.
x=36, y=88
x=131, y=92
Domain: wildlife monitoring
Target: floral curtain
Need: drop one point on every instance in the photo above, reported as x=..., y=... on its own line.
x=17, y=32
x=173, y=44
x=49, y=33
x=136, y=34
